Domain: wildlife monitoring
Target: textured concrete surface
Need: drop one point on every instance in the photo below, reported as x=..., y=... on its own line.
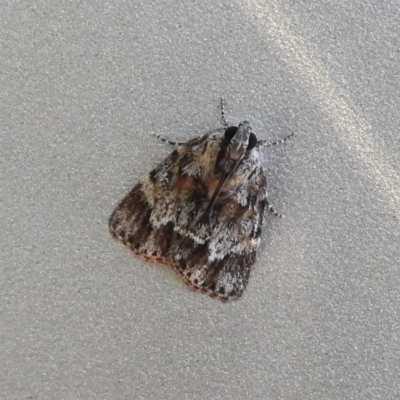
x=82, y=86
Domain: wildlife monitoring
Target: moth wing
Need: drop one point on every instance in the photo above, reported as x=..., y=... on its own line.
x=165, y=200
x=221, y=266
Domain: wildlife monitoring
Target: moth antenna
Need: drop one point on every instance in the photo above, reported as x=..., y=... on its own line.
x=165, y=140
x=264, y=143
x=223, y=119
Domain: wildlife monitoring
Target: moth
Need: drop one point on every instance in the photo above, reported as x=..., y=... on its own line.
x=201, y=210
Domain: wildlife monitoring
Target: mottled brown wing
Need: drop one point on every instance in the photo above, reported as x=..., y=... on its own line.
x=146, y=217
x=220, y=266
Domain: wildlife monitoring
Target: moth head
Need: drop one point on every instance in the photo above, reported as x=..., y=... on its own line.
x=241, y=139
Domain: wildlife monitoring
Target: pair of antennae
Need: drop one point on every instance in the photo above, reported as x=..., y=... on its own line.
x=260, y=143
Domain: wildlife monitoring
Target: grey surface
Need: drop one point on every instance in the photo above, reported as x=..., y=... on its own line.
x=82, y=86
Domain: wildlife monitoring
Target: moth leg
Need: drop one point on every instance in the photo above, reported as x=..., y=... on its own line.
x=163, y=139
x=272, y=210
x=264, y=143
x=223, y=119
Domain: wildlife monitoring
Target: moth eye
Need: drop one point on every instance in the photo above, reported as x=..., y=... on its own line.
x=230, y=132
x=252, y=141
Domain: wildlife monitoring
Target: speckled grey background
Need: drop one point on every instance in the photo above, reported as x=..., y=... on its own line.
x=82, y=86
